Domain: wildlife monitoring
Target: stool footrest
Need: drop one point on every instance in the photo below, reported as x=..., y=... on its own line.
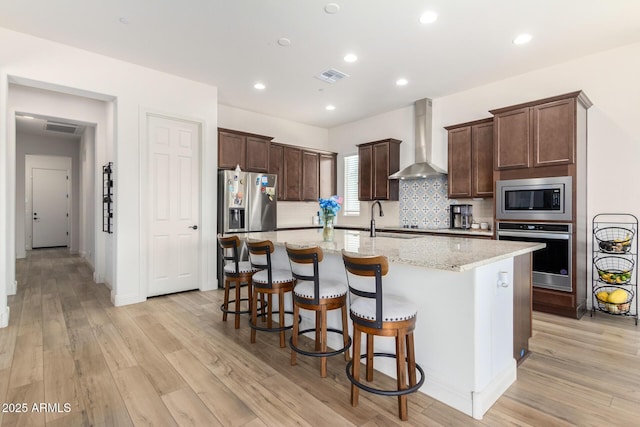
x=226, y=310
x=319, y=353
x=278, y=329
x=382, y=392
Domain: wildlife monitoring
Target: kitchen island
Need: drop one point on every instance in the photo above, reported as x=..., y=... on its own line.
x=464, y=290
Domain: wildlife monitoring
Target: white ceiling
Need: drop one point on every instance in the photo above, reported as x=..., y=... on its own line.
x=233, y=43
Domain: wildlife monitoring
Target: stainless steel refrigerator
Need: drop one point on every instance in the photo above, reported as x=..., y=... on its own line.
x=247, y=201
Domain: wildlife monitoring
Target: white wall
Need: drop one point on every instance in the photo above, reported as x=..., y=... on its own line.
x=25, y=58
x=87, y=200
x=51, y=146
x=282, y=131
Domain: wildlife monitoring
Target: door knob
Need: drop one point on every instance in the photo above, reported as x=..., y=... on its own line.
x=195, y=227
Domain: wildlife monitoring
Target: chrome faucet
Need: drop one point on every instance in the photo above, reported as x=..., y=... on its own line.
x=372, y=233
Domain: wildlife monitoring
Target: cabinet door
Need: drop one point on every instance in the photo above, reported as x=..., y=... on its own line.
x=554, y=134
x=482, y=160
x=511, y=139
x=310, y=176
x=327, y=175
x=459, y=162
x=381, y=171
x=292, y=165
x=231, y=150
x=257, y=156
x=276, y=167
x=365, y=170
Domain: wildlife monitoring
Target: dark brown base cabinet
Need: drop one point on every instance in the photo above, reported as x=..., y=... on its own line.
x=376, y=161
x=470, y=148
x=249, y=151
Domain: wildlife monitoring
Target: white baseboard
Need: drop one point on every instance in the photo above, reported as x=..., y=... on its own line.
x=483, y=400
x=13, y=288
x=4, y=317
x=120, y=300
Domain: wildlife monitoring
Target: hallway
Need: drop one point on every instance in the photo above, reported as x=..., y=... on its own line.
x=172, y=361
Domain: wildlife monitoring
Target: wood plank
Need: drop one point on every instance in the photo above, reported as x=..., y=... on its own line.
x=114, y=349
x=25, y=396
x=27, y=367
x=188, y=410
x=60, y=386
x=162, y=375
x=158, y=334
x=221, y=401
x=143, y=403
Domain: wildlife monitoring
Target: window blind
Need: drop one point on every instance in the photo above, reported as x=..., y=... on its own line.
x=351, y=202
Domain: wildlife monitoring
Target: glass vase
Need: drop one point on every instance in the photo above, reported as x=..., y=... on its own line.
x=327, y=229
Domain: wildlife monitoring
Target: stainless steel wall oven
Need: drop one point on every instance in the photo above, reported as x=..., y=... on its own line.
x=552, y=267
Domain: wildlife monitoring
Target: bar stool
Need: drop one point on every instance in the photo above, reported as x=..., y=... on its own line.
x=312, y=294
x=374, y=313
x=268, y=281
x=237, y=272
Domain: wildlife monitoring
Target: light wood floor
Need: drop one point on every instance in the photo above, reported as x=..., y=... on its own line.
x=172, y=361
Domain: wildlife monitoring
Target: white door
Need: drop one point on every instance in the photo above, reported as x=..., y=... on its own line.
x=174, y=148
x=50, y=208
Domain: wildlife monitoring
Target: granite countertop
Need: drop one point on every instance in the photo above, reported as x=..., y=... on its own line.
x=429, y=251
x=400, y=229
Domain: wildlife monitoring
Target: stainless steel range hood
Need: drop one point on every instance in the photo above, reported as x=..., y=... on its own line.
x=423, y=166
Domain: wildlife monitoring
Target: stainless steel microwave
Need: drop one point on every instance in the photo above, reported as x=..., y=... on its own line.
x=544, y=199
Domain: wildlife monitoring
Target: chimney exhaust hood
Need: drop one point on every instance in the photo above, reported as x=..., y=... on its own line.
x=423, y=166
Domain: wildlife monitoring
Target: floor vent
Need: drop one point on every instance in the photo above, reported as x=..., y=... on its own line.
x=61, y=127
x=331, y=75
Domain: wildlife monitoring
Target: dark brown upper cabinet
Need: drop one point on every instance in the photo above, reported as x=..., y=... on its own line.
x=539, y=133
x=470, y=151
x=276, y=166
x=376, y=161
x=327, y=175
x=292, y=174
x=310, y=176
x=248, y=150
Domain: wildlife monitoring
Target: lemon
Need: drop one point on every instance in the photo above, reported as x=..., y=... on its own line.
x=603, y=296
x=618, y=296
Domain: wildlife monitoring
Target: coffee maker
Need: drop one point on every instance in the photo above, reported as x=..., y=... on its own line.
x=461, y=216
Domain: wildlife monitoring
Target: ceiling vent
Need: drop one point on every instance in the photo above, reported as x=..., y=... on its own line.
x=61, y=127
x=331, y=75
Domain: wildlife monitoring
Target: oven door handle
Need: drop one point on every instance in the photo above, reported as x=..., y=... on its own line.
x=559, y=236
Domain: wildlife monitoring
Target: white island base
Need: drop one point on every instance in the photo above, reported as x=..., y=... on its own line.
x=464, y=329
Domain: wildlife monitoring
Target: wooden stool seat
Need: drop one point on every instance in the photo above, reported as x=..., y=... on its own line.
x=237, y=274
x=377, y=314
x=269, y=281
x=320, y=296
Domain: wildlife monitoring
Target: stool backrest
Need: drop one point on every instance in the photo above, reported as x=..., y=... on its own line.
x=230, y=247
x=260, y=255
x=304, y=266
x=364, y=277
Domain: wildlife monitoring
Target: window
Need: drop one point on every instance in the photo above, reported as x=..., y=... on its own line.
x=351, y=202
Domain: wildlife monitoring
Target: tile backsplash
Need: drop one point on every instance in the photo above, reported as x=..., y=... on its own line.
x=424, y=202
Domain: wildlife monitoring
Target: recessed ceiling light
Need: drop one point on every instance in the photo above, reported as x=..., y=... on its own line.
x=332, y=8
x=124, y=20
x=284, y=41
x=330, y=107
x=402, y=82
x=428, y=17
x=259, y=86
x=350, y=58
x=522, y=39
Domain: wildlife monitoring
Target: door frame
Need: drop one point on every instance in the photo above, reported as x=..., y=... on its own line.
x=204, y=272
x=34, y=161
